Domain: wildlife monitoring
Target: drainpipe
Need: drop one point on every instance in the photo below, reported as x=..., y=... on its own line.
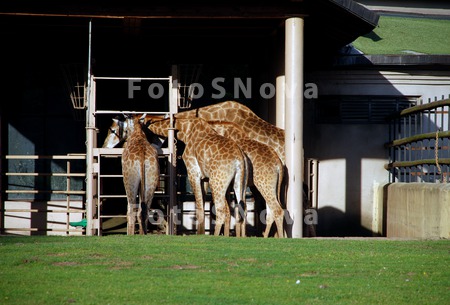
x=294, y=124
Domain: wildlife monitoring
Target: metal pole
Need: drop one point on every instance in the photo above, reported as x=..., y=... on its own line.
x=90, y=181
x=294, y=124
x=90, y=130
x=173, y=108
x=280, y=101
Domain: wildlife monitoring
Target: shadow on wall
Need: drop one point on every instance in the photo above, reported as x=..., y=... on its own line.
x=334, y=223
x=346, y=130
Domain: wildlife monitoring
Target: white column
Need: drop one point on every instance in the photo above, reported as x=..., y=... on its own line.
x=294, y=124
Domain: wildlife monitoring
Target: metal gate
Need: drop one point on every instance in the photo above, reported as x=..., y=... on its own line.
x=96, y=177
x=419, y=146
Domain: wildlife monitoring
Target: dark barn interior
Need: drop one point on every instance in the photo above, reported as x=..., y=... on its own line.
x=230, y=39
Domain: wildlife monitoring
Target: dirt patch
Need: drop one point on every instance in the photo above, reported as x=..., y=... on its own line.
x=58, y=254
x=248, y=260
x=64, y=264
x=309, y=274
x=183, y=267
x=30, y=260
x=121, y=265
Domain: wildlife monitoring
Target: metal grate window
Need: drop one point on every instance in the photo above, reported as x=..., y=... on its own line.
x=359, y=109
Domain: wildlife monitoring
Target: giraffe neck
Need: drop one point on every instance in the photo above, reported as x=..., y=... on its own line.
x=192, y=128
x=160, y=127
x=228, y=130
x=134, y=128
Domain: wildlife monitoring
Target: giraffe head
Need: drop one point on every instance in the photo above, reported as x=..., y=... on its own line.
x=116, y=133
x=134, y=123
x=120, y=129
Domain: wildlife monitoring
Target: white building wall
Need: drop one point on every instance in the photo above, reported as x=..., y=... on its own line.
x=352, y=156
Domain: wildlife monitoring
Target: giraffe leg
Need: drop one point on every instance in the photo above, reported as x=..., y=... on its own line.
x=269, y=222
x=240, y=214
x=223, y=216
x=138, y=216
x=227, y=220
x=150, y=194
x=240, y=209
x=274, y=213
x=237, y=218
x=279, y=221
x=143, y=214
x=131, y=185
x=131, y=218
x=199, y=209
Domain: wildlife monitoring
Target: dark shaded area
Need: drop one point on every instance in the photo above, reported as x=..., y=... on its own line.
x=231, y=39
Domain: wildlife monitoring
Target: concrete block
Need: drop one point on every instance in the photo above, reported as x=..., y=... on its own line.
x=418, y=210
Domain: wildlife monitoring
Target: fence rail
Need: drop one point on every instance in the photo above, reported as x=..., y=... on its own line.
x=13, y=209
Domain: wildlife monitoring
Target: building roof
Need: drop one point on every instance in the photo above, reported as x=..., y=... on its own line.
x=403, y=40
x=329, y=24
x=406, y=36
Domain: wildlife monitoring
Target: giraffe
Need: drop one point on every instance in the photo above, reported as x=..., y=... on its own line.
x=255, y=127
x=116, y=133
x=140, y=168
x=266, y=170
x=209, y=155
x=237, y=113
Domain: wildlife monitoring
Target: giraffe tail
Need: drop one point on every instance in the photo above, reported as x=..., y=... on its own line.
x=280, y=180
x=142, y=195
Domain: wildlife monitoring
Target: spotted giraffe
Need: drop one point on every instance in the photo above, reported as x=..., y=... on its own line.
x=140, y=168
x=209, y=155
x=265, y=171
x=255, y=127
x=230, y=111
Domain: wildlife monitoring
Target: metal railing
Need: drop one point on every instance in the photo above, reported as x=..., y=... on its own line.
x=419, y=146
x=28, y=195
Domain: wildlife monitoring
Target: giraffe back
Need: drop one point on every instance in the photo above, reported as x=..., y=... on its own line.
x=140, y=167
x=267, y=168
x=256, y=128
x=214, y=153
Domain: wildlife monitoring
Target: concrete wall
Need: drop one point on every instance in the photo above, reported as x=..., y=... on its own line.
x=418, y=210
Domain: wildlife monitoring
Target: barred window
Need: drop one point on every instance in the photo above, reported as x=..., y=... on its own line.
x=359, y=109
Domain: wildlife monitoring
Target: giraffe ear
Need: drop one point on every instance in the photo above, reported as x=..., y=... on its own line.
x=181, y=136
x=142, y=118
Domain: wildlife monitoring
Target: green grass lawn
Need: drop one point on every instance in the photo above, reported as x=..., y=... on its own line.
x=218, y=270
x=399, y=35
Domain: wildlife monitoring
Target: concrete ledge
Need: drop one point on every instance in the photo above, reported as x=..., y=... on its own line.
x=418, y=210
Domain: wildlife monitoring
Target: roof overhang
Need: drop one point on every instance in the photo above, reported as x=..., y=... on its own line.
x=404, y=61
x=335, y=22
